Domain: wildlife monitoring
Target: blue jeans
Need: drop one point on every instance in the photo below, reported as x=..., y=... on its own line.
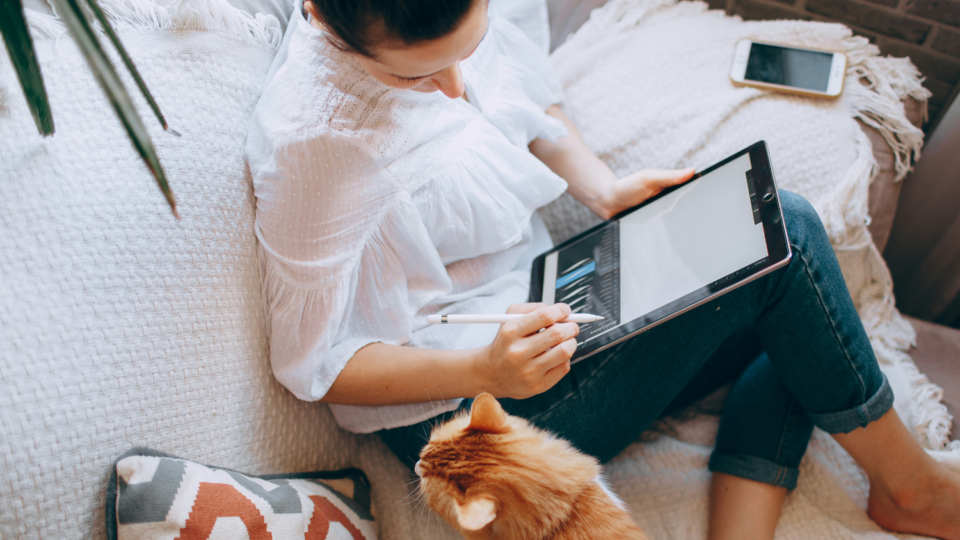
x=792, y=340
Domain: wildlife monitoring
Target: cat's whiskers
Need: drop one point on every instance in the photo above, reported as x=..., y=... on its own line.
x=418, y=505
x=423, y=426
x=435, y=519
x=413, y=499
x=426, y=435
x=423, y=510
x=411, y=494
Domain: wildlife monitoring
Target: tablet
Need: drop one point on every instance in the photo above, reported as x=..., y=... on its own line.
x=682, y=248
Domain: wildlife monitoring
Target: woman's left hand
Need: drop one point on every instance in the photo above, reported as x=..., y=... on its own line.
x=591, y=181
x=635, y=188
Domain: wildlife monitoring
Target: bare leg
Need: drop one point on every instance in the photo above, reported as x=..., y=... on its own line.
x=909, y=491
x=742, y=509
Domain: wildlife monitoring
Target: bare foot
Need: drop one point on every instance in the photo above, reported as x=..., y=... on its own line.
x=930, y=508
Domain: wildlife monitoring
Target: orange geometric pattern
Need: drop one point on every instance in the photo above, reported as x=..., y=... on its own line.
x=221, y=500
x=324, y=513
x=175, y=498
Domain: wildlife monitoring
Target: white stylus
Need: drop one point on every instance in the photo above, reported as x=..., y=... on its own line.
x=500, y=319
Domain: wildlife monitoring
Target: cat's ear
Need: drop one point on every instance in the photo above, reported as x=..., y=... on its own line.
x=487, y=415
x=476, y=514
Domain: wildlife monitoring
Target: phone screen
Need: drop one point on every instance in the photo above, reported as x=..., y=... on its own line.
x=798, y=68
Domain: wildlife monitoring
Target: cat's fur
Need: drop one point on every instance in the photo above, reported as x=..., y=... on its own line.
x=494, y=476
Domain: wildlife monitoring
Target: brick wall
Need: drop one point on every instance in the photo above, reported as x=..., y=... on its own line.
x=928, y=31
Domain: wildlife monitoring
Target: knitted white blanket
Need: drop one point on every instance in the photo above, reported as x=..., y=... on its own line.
x=647, y=83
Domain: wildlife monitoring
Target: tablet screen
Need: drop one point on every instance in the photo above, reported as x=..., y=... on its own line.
x=638, y=265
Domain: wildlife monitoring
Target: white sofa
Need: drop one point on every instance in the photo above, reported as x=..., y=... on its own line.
x=121, y=326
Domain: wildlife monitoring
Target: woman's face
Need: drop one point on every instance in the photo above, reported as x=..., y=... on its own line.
x=428, y=66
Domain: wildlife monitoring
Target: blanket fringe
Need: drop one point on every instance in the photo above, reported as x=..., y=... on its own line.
x=874, y=93
x=216, y=16
x=43, y=26
x=879, y=104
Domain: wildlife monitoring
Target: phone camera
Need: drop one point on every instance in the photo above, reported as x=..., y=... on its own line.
x=767, y=197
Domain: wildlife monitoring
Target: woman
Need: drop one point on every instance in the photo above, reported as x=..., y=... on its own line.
x=399, y=152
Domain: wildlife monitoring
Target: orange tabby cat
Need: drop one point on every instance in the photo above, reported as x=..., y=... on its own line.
x=494, y=476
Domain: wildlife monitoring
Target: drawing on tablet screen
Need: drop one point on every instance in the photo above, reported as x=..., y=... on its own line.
x=588, y=279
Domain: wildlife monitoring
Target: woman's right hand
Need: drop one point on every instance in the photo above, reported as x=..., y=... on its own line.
x=522, y=361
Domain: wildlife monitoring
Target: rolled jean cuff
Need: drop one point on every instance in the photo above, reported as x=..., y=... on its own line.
x=859, y=416
x=754, y=468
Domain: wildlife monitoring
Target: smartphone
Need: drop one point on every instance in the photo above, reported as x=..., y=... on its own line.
x=797, y=70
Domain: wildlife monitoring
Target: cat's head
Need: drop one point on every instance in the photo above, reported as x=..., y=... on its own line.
x=488, y=471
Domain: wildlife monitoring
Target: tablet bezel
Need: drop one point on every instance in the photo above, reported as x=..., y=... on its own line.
x=775, y=233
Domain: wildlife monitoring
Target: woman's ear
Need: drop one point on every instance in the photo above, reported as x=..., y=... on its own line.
x=487, y=416
x=476, y=513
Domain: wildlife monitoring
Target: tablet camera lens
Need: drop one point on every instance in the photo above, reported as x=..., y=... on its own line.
x=768, y=197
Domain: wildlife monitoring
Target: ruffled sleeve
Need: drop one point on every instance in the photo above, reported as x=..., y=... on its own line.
x=344, y=258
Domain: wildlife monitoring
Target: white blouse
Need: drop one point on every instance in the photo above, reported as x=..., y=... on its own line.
x=378, y=206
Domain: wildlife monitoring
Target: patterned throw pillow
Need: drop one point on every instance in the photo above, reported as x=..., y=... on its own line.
x=152, y=495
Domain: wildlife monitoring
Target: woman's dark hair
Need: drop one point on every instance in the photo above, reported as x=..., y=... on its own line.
x=362, y=24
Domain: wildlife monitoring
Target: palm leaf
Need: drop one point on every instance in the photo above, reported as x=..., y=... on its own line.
x=13, y=26
x=108, y=29
x=77, y=21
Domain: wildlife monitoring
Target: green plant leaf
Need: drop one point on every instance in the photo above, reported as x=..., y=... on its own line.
x=77, y=20
x=108, y=29
x=16, y=37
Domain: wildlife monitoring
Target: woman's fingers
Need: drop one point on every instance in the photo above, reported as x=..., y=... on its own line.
x=553, y=376
x=556, y=362
x=552, y=336
x=524, y=308
x=525, y=356
x=666, y=177
x=641, y=185
x=532, y=322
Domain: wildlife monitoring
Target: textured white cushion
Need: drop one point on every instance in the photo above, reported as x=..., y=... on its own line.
x=121, y=326
x=279, y=9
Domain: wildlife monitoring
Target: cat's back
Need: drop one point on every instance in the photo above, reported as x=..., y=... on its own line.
x=597, y=515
